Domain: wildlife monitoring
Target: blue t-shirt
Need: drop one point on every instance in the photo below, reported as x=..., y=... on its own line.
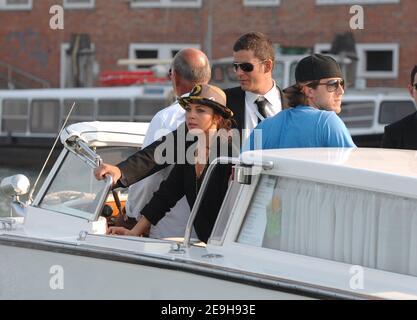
x=301, y=127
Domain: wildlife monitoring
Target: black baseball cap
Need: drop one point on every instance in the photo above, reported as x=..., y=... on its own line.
x=316, y=67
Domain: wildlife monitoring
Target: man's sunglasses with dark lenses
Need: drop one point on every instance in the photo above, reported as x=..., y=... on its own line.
x=331, y=85
x=245, y=66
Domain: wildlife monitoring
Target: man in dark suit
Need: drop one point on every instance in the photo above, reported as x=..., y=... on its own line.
x=257, y=98
x=403, y=133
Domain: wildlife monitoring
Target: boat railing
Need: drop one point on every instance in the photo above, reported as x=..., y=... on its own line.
x=242, y=174
x=13, y=74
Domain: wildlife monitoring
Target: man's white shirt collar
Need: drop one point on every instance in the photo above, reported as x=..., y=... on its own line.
x=272, y=96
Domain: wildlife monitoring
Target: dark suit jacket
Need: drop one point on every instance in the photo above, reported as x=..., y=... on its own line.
x=142, y=164
x=401, y=134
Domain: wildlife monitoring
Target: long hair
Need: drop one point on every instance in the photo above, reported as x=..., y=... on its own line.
x=223, y=128
x=295, y=95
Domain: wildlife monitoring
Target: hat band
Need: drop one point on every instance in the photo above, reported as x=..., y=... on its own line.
x=223, y=110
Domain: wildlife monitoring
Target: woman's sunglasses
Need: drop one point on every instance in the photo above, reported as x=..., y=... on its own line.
x=245, y=66
x=331, y=85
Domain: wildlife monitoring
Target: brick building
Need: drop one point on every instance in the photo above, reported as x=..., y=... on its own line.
x=117, y=29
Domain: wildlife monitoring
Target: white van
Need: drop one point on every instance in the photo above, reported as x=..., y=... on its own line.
x=367, y=112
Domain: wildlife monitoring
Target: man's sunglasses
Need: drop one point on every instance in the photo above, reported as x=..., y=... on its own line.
x=331, y=85
x=415, y=86
x=245, y=66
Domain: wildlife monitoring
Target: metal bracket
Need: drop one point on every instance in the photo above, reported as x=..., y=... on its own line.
x=7, y=224
x=82, y=235
x=266, y=165
x=79, y=147
x=176, y=248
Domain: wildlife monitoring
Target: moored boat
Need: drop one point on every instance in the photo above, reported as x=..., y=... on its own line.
x=30, y=119
x=295, y=224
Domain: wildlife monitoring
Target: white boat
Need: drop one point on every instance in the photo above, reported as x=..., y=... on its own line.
x=295, y=224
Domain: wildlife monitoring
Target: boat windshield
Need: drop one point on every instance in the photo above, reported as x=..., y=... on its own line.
x=74, y=190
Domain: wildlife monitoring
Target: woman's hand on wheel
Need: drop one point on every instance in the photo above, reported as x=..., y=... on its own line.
x=119, y=230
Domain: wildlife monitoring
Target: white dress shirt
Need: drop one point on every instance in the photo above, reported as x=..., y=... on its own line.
x=140, y=193
x=273, y=106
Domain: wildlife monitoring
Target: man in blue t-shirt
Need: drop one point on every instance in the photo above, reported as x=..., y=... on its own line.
x=311, y=121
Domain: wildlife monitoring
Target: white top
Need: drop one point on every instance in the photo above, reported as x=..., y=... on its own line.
x=140, y=193
x=252, y=115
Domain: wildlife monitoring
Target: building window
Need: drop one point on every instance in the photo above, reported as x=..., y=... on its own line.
x=323, y=48
x=165, y=3
x=261, y=3
x=15, y=4
x=360, y=2
x=159, y=51
x=376, y=60
x=79, y=4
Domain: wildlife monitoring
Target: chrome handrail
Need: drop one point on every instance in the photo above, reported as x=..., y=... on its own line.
x=212, y=166
x=11, y=69
x=82, y=150
x=7, y=224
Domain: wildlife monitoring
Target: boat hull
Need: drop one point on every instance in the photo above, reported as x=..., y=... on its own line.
x=56, y=271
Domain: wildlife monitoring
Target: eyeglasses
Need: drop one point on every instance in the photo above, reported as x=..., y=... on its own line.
x=169, y=73
x=415, y=86
x=331, y=85
x=245, y=66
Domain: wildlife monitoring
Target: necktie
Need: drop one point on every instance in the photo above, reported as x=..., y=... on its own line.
x=261, y=103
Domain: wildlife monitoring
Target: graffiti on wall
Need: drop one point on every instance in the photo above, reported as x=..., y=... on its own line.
x=27, y=44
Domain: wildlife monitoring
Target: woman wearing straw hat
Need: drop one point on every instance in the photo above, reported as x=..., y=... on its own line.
x=209, y=119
